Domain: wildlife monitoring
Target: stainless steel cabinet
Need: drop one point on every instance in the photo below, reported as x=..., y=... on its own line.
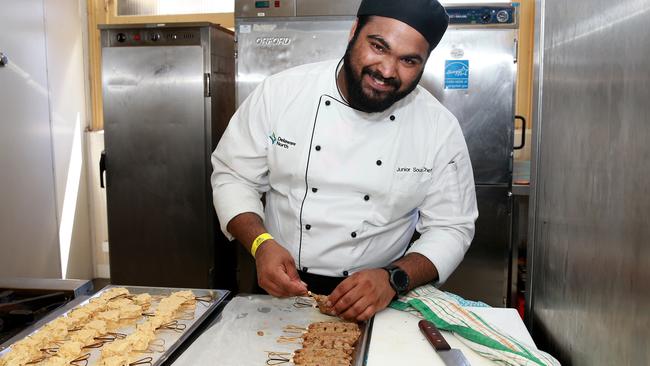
x=168, y=94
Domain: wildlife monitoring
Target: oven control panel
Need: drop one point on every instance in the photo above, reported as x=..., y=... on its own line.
x=482, y=15
x=459, y=14
x=154, y=37
x=265, y=8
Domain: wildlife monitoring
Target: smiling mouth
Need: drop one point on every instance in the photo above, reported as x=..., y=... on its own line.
x=379, y=84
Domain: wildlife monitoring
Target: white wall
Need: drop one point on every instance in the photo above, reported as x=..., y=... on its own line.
x=65, y=28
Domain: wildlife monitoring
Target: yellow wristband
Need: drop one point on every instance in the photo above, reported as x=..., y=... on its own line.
x=259, y=241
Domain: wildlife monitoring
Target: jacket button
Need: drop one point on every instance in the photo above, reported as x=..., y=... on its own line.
x=317, y=147
x=354, y=234
x=366, y=198
x=327, y=102
x=314, y=189
x=378, y=162
x=392, y=118
x=345, y=273
x=307, y=226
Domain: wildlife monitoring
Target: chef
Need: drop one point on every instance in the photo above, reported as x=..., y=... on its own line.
x=353, y=157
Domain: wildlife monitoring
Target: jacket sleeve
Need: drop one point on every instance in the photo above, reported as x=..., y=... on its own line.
x=448, y=212
x=240, y=170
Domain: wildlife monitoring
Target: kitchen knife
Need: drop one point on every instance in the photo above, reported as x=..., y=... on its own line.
x=451, y=357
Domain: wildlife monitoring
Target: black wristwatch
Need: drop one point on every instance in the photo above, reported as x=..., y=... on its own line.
x=398, y=279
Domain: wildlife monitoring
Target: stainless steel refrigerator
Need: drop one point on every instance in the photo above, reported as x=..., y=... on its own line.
x=472, y=72
x=168, y=93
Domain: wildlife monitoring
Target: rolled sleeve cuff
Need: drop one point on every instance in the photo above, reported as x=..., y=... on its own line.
x=231, y=200
x=444, y=250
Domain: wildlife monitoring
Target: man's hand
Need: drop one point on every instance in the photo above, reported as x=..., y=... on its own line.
x=362, y=294
x=276, y=271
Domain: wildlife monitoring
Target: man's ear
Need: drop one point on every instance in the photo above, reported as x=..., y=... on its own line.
x=354, y=29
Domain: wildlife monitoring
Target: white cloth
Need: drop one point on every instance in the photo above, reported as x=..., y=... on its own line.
x=345, y=189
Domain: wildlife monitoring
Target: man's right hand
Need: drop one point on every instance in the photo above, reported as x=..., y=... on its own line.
x=276, y=271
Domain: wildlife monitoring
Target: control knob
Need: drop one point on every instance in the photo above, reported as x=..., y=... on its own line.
x=486, y=17
x=121, y=37
x=155, y=37
x=503, y=16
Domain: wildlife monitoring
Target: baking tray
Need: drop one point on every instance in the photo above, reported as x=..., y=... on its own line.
x=172, y=339
x=361, y=351
x=250, y=325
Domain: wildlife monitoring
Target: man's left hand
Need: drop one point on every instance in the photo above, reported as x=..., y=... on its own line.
x=362, y=294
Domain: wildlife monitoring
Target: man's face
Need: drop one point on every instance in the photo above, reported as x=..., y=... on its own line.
x=383, y=64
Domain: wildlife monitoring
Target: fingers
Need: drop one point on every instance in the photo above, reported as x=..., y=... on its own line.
x=361, y=295
x=290, y=281
x=277, y=283
x=276, y=272
x=363, y=306
x=297, y=286
x=343, y=288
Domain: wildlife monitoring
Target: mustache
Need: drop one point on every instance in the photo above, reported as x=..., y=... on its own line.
x=377, y=75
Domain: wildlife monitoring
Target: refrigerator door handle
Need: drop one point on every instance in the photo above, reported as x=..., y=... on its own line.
x=102, y=168
x=523, y=133
x=206, y=85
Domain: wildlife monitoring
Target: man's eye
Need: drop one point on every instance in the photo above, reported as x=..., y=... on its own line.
x=408, y=61
x=378, y=47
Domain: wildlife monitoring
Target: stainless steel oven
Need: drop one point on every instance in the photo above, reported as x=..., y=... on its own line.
x=168, y=93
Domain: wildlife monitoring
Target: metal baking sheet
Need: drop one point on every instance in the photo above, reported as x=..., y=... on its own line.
x=249, y=326
x=172, y=339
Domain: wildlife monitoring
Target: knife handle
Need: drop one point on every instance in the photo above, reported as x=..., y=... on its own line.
x=433, y=335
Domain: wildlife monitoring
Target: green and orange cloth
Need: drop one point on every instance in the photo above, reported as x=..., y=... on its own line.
x=447, y=314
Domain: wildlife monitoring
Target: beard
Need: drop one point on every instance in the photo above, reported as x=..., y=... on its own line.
x=374, y=101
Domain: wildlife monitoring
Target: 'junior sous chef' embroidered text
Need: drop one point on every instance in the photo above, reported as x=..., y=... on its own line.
x=414, y=170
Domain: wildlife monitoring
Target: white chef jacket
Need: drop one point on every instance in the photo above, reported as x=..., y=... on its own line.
x=346, y=189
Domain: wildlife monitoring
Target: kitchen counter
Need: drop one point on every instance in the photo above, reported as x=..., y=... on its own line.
x=397, y=340
x=235, y=337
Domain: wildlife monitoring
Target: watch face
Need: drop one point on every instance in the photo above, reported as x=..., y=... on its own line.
x=400, y=279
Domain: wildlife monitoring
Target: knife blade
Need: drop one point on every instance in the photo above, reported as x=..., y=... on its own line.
x=451, y=356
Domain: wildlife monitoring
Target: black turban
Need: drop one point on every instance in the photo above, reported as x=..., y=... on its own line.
x=426, y=16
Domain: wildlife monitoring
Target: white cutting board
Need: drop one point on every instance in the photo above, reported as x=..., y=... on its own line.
x=397, y=340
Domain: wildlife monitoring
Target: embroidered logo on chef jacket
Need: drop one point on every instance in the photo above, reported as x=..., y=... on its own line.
x=413, y=169
x=281, y=141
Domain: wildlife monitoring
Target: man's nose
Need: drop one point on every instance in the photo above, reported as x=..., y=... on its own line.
x=388, y=68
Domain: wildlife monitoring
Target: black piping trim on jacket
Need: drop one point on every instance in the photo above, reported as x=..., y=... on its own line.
x=311, y=142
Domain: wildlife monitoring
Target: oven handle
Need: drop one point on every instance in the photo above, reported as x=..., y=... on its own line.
x=102, y=168
x=523, y=133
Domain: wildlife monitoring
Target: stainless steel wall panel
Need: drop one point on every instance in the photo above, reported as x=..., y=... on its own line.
x=591, y=258
x=28, y=216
